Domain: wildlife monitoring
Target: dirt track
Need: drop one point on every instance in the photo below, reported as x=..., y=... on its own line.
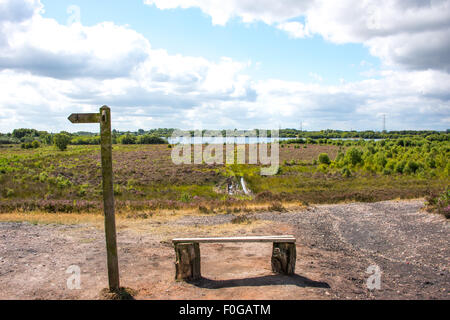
x=336, y=244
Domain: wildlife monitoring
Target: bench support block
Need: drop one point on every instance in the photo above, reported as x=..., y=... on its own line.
x=283, y=258
x=187, y=265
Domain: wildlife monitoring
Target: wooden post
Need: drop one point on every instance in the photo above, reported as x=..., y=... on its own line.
x=283, y=258
x=108, y=198
x=104, y=118
x=187, y=265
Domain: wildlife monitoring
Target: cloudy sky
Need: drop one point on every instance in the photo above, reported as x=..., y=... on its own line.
x=226, y=64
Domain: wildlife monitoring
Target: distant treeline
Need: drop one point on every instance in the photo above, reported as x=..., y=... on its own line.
x=31, y=138
x=26, y=137
x=338, y=134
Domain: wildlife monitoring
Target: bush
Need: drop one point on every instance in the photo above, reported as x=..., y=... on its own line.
x=61, y=141
x=127, y=139
x=324, y=158
x=8, y=140
x=21, y=133
x=354, y=156
x=391, y=164
x=149, y=139
x=95, y=140
x=35, y=144
x=26, y=145
x=30, y=145
x=381, y=160
x=400, y=167
x=412, y=166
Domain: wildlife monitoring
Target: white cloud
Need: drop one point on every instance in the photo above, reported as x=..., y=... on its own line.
x=221, y=12
x=50, y=70
x=411, y=34
x=294, y=29
x=45, y=47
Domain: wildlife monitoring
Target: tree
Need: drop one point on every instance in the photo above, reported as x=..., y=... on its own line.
x=62, y=140
x=21, y=133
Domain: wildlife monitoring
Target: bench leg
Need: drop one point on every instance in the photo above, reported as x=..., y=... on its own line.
x=187, y=265
x=283, y=258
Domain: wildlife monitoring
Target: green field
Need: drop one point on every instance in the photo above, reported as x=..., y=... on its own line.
x=321, y=171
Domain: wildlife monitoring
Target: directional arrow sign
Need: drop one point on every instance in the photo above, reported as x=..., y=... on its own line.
x=104, y=118
x=84, y=118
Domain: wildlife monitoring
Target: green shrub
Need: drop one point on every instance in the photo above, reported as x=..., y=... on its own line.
x=127, y=139
x=391, y=164
x=149, y=139
x=431, y=162
x=30, y=145
x=381, y=160
x=26, y=145
x=400, y=167
x=324, y=159
x=354, y=156
x=61, y=141
x=8, y=140
x=411, y=167
x=86, y=140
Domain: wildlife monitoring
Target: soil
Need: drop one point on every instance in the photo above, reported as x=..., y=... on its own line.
x=336, y=244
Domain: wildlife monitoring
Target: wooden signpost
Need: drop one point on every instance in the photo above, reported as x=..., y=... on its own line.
x=104, y=118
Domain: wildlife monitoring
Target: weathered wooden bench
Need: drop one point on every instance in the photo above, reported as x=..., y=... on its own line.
x=187, y=252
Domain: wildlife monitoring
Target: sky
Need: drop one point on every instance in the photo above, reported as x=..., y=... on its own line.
x=210, y=64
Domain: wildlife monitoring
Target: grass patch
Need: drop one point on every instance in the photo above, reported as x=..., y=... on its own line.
x=146, y=180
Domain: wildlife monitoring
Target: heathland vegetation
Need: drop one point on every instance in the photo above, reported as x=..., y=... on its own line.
x=314, y=168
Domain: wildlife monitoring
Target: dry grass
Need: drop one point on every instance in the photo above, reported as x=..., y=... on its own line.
x=37, y=217
x=168, y=231
x=162, y=225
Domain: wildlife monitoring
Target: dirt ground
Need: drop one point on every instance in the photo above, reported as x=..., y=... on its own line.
x=335, y=246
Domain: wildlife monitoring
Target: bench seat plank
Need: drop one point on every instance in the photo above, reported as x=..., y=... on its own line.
x=286, y=239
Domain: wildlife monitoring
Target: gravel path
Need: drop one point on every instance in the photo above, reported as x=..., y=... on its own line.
x=410, y=246
x=335, y=246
